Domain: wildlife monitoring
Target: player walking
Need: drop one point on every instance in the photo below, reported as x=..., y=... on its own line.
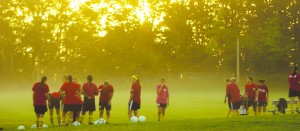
x=294, y=84
x=40, y=90
x=134, y=102
x=162, y=99
x=106, y=94
x=233, y=90
x=251, y=93
x=227, y=96
x=89, y=90
x=263, y=96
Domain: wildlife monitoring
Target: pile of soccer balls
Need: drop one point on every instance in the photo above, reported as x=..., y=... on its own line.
x=135, y=119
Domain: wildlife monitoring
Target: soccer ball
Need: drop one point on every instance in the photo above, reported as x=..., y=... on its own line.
x=100, y=121
x=142, y=119
x=45, y=126
x=134, y=119
x=21, y=127
x=33, y=126
x=76, y=123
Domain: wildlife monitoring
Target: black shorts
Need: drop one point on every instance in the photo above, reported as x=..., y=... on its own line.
x=161, y=105
x=88, y=104
x=40, y=109
x=262, y=103
x=103, y=105
x=78, y=107
x=252, y=102
x=293, y=93
x=133, y=105
x=54, y=103
x=236, y=105
x=69, y=107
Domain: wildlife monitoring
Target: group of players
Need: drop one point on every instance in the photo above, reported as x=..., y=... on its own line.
x=74, y=108
x=257, y=95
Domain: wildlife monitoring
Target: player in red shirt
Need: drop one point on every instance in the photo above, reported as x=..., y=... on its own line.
x=162, y=99
x=78, y=101
x=251, y=93
x=106, y=94
x=40, y=90
x=54, y=102
x=235, y=97
x=70, y=90
x=134, y=102
x=89, y=90
x=263, y=96
x=228, y=100
x=294, y=87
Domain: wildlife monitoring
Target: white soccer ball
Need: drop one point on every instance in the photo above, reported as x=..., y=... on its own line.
x=21, y=127
x=76, y=123
x=142, y=119
x=45, y=126
x=33, y=126
x=100, y=121
x=134, y=119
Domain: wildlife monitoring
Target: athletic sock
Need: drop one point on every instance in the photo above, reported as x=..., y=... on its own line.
x=255, y=113
x=108, y=120
x=228, y=113
x=90, y=118
x=81, y=118
x=51, y=120
x=59, y=120
x=70, y=122
x=63, y=121
x=237, y=113
x=37, y=122
x=41, y=122
x=292, y=108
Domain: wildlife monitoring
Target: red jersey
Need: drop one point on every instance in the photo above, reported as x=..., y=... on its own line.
x=136, y=90
x=293, y=82
x=250, y=90
x=162, y=97
x=39, y=98
x=105, y=93
x=234, y=92
x=90, y=89
x=70, y=90
x=55, y=95
x=262, y=93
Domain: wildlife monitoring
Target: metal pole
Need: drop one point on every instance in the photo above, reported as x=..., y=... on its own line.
x=238, y=61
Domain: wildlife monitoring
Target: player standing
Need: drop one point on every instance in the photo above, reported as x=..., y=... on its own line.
x=263, y=96
x=227, y=96
x=234, y=91
x=294, y=84
x=134, y=102
x=54, y=102
x=89, y=90
x=106, y=95
x=162, y=99
x=69, y=89
x=40, y=90
x=251, y=93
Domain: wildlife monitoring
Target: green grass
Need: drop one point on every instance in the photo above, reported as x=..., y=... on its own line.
x=192, y=109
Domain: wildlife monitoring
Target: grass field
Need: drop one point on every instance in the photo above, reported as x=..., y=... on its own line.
x=192, y=107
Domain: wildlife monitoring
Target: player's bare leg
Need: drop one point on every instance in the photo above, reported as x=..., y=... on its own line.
x=292, y=104
x=70, y=121
x=163, y=112
x=78, y=115
x=264, y=110
x=254, y=108
x=82, y=117
x=41, y=122
x=259, y=110
x=129, y=113
x=101, y=113
x=107, y=116
x=136, y=113
x=51, y=116
x=58, y=116
x=228, y=113
x=298, y=104
x=90, y=117
x=159, y=112
x=37, y=120
x=64, y=117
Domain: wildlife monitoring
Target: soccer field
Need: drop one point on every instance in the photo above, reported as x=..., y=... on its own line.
x=190, y=109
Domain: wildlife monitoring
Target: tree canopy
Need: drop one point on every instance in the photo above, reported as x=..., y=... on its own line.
x=148, y=37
